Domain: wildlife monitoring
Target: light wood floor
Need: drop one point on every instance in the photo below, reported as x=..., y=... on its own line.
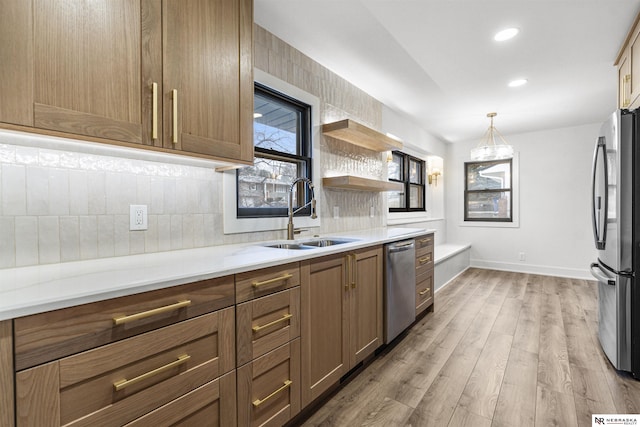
x=501, y=349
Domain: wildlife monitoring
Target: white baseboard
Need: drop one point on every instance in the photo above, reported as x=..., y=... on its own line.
x=572, y=273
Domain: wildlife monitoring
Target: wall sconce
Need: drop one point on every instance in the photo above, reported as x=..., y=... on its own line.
x=433, y=176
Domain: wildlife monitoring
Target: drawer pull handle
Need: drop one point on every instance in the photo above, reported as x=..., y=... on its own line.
x=174, y=125
x=425, y=291
x=154, y=110
x=275, y=279
x=286, y=385
x=126, y=319
x=119, y=385
x=282, y=319
x=427, y=240
x=425, y=259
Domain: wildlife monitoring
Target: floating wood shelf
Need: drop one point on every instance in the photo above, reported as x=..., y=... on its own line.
x=348, y=182
x=357, y=134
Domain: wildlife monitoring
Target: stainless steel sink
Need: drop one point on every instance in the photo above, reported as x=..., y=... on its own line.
x=288, y=246
x=322, y=243
x=310, y=244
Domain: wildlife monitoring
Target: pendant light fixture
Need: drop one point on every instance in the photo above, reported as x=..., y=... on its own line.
x=487, y=149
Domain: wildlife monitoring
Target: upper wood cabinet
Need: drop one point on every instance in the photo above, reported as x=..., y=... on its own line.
x=628, y=63
x=171, y=75
x=208, y=77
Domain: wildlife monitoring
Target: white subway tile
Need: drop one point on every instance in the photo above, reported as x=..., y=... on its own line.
x=176, y=232
x=79, y=192
x=164, y=232
x=136, y=242
x=121, y=232
x=49, y=158
x=88, y=237
x=26, y=155
x=188, y=228
x=48, y=239
x=170, y=203
x=157, y=196
x=96, y=182
x=7, y=153
x=151, y=235
x=198, y=231
x=106, y=236
x=37, y=190
x=8, y=239
x=59, y=198
x=143, y=190
x=69, y=238
x=14, y=198
x=26, y=240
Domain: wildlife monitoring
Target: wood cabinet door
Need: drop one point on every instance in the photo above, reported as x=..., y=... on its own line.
x=16, y=62
x=87, y=67
x=208, y=77
x=365, y=304
x=324, y=325
x=6, y=374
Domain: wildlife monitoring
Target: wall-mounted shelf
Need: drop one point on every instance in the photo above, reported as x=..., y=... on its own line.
x=349, y=182
x=357, y=134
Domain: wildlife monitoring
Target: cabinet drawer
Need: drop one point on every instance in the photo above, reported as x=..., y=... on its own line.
x=213, y=404
x=424, y=264
x=48, y=336
x=424, y=242
x=263, y=282
x=269, y=387
x=266, y=323
x=424, y=293
x=119, y=382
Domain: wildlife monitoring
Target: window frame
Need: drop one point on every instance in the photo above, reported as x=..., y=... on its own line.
x=304, y=148
x=405, y=173
x=510, y=191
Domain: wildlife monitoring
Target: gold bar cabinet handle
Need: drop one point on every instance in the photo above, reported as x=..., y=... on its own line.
x=427, y=240
x=119, y=385
x=174, y=96
x=348, y=266
x=425, y=259
x=282, y=319
x=355, y=272
x=627, y=79
x=154, y=110
x=286, y=385
x=425, y=291
x=132, y=317
x=257, y=284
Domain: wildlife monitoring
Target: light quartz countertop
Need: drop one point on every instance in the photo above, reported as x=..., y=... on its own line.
x=31, y=290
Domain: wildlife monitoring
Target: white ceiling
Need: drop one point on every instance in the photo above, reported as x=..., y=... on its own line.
x=436, y=60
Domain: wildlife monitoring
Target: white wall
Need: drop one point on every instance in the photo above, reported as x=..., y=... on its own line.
x=555, y=189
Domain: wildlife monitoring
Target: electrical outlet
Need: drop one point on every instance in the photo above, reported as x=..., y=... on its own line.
x=336, y=212
x=138, y=217
x=522, y=256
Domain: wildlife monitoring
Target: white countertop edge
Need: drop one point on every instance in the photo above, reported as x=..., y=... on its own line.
x=31, y=290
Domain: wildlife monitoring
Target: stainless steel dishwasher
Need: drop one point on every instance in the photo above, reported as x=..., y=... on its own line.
x=400, y=288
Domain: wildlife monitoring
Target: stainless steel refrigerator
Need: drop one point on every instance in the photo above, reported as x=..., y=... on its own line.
x=615, y=213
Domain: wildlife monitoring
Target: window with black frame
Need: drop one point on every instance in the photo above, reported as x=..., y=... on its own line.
x=488, y=191
x=282, y=153
x=410, y=171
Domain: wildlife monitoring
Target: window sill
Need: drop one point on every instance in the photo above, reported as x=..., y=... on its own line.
x=514, y=224
x=398, y=218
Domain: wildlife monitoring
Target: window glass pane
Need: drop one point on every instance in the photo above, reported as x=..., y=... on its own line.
x=276, y=125
x=396, y=199
x=492, y=204
x=415, y=172
x=266, y=183
x=488, y=176
x=395, y=167
x=415, y=196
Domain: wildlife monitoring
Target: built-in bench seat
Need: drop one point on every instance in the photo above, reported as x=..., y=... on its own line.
x=450, y=259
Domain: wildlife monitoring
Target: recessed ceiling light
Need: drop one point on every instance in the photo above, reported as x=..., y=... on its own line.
x=517, y=82
x=506, y=34
x=257, y=115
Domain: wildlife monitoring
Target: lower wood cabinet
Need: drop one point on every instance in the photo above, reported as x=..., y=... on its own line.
x=117, y=383
x=269, y=387
x=341, y=315
x=6, y=373
x=424, y=273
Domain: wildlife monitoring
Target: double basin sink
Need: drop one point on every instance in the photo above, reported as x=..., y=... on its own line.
x=310, y=244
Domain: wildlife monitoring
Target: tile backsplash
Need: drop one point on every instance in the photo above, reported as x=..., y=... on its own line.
x=62, y=206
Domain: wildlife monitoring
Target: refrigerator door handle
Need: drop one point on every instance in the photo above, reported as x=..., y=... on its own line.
x=596, y=272
x=597, y=208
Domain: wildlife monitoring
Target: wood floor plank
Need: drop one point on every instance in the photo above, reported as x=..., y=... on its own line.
x=388, y=413
x=443, y=372
x=554, y=408
x=516, y=406
x=463, y=418
x=481, y=392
